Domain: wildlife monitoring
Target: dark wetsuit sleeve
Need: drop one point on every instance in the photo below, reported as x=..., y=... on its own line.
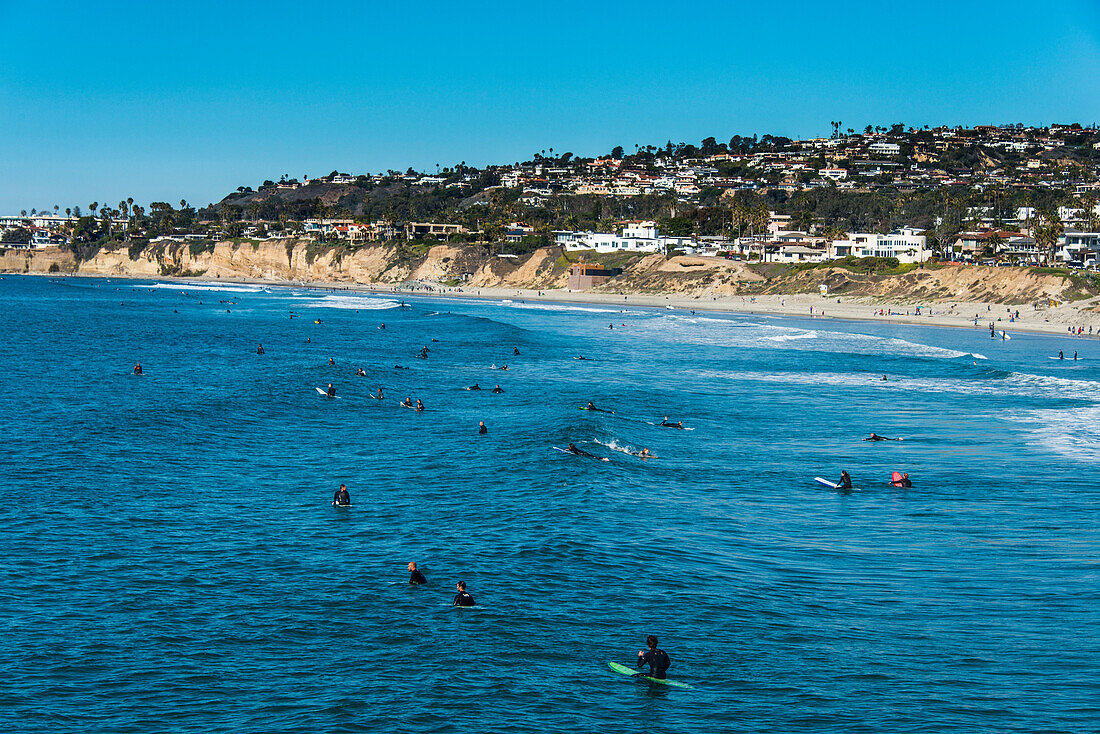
x=646, y=659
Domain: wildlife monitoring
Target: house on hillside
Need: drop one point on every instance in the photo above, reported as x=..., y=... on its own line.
x=907, y=245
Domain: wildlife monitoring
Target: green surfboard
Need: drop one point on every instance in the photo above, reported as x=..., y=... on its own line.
x=626, y=670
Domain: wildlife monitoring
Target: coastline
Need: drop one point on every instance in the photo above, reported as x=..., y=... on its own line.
x=1052, y=321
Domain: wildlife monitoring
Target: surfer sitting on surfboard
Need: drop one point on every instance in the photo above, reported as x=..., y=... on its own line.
x=845, y=481
x=331, y=392
x=341, y=498
x=656, y=658
x=462, y=598
x=137, y=369
x=901, y=480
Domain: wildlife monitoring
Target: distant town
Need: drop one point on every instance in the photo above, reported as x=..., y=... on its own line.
x=1006, y=194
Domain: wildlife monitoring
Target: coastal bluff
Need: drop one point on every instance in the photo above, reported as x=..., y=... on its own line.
x=468, y=266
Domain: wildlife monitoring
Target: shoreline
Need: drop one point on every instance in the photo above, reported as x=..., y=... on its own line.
x=1052, y=321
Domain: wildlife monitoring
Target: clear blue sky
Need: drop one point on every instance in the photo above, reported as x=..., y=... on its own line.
x=163, y=101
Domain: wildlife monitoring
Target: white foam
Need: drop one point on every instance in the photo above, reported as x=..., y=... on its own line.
x=363, y=303
x=1071, y=432
x=557, y=307
x=791, y=337
x=236, y=288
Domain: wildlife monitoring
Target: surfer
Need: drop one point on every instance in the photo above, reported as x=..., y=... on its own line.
x=643, y=454
x=383, y=326
x=481, y=429
x=137, y=369
x=669, y=424
x=903, y=481
x=341, y=498
x=415, y=577
x=876, y=437
x=515, y=351
x=656, y=658
x=475, y=386
x=407, y=402
x=419, y=406
x=1060, y=355
x=845, y=481
x=462, y=598
x=332, y=362
x=380, y=395
x=581, y=357
x=498, y=389
x=260, y=349
x=360, y=373
x=331, y=391
x=572, y=448
x=1075, y=356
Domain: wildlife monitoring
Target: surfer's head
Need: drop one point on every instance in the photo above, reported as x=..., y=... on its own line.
x=412, y=565
x=461, y=586
x=651, y=641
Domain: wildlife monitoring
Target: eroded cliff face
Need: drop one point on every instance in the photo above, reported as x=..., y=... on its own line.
x=300, y=260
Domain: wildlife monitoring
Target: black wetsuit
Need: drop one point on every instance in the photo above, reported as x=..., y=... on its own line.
x=463, y=599
x=657, y=660
x=474, y=387
x=844, y=483
x=581, y=452
x=331, y=392
x=670, y=424
x=341, y=497
x=497, y=390
x=415, y=577
x=482, y=430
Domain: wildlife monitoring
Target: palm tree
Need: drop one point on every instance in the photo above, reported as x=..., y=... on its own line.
x=1047, y=232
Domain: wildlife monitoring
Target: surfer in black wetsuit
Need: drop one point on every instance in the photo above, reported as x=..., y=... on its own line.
x=481, y=429
x=669, y=424
x=360, y=373
x=656, y=658
x=331, y=392
x=462, y=598
x=407, y=402
x=905, y=481
x=1060, y=355
x=475, y=386
x=341, y=498
x=380, y=395
x=260, y=349
x=419, y=406
x=515, y=351
x=876, y=437
x=137, y=369
x=331, y=361
x=498, y=389
x=572, y=448
x=415, y=577
x=845, y=481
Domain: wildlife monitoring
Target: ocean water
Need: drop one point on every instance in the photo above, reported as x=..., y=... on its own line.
x=172, y=562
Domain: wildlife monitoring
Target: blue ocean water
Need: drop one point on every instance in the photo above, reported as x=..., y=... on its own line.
x=171, y=560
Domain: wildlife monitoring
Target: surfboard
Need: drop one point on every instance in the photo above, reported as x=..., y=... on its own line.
x=826, y=483
x=323, y=393
x=626, y=670
x=570, y=453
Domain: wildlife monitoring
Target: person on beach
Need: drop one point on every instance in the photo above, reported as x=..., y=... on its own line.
x=331, y=392
x=845, y=481
x=462, y=598
x=669, y=424
x=481, y=429
x=137, y=369
x=656, y=658
x=498, y=389
x=341, y=498
x=415, y=577
x=876, y=437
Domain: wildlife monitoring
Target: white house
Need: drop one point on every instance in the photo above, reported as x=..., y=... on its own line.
x=836, y=174
x=905, y=244
x=884, y=148
x=1080, y=247
x=634, y=237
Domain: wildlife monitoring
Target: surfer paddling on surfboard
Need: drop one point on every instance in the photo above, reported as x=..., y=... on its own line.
x=666, y=423
x=876, y=437
x=656, y=658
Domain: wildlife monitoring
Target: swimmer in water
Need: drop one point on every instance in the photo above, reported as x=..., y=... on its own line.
x=462, y=598
x=419, y=406
x=260, y=349
x=415, y=577
x=475, y=386
x=669, y=424
x=876, y=437
x=331, y=361
x=481, y=429
x=498, y=389
x=137, y=369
